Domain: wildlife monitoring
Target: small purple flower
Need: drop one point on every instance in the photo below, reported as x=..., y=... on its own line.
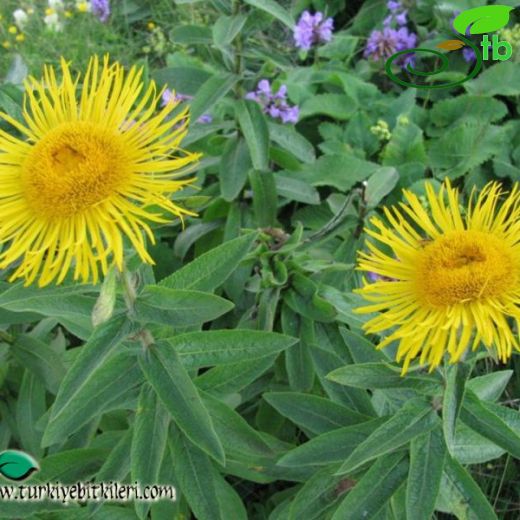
x=398, y=14
x=385, y=43
x=169, y=97
x=469, y=55
x=101, y=9
x=374, y=277
x=274, y=103
x=394, y=6
x=311, y=30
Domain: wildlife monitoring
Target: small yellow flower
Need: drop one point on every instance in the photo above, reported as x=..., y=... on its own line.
x=30, y=10
x=151, y=26
x=12, y=29
x=20, y=37
x=82, y=7
x=6, y=44
x=81, y=181
x=449, y=280
x=68, y=14
x=49, y=11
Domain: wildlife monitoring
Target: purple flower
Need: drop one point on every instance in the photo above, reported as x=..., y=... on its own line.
x=101, y=9
x=398, y=14
x=468, y=54
x=311, y=30
x=169, y=97
x=374, y=277
x=274, y=103
x=385, y=43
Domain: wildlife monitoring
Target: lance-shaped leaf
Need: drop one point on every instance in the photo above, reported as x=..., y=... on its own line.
x=484, y=19
x=413, y=419
x=480, y=417
x=376, y=487
x=163, y=369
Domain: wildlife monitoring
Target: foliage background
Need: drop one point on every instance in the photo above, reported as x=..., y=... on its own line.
x=252, y=301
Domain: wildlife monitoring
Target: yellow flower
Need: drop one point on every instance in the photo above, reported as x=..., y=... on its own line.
x=151, y=26
x=83, y=7
x=6, y=44
x=68, y=14
x=49, y=11
x=445, y=278
x=90, y=172
x=12, y=29
x=20, y=37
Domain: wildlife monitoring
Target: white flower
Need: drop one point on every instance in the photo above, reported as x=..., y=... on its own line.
x=52, y=21
x=20, y=18
x=56, y=4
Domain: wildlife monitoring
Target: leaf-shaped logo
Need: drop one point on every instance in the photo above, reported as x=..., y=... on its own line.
x=17, y=465
x=484, y=19
x=451, y=45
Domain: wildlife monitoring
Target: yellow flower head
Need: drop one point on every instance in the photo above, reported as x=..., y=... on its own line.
x=49, y=11
x=151, y=26
x=6, y=44
x=12, y=29
x=87, y=173
x=20, y=37
x=445, y=279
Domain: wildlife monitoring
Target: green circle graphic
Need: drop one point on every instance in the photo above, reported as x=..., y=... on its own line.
x=444, y=65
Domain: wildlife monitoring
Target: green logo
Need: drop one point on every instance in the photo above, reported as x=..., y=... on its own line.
x=17, y=465
x=478, y=20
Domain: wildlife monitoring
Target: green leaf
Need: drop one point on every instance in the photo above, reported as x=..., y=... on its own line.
x=463, y=148
x=338, y=106
x=254, y=128
x=212, y=269
x=412, y=419
x=330, y=170
x=467, y=499
x=108, y=385
x=40, y=359
x=427, y=454
x=191, y=35
x=163, y=369
x=375, y=488
x=179, y=307
x=331, y=447
x=379, y=185
x=490, y=387
x=216, y=347
x=210, y=92
x=104, y=341
x=30, y=406
x=274, y=9
x=194, y=472
x=314, y=413
x=239, y=439
x=17, y=465
x=150, y=433
x=227, y=28
x=229, y=379
x=452, y=400
x=482, y=109
x=292, y=141
x=294, y=189
x=318, y=496
x=502, y=79
x=405, y=146
x=484, y=19
x=382, y=375
x=325, y=362
x=234, y=165
x=264, y=197
x=478, y=416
